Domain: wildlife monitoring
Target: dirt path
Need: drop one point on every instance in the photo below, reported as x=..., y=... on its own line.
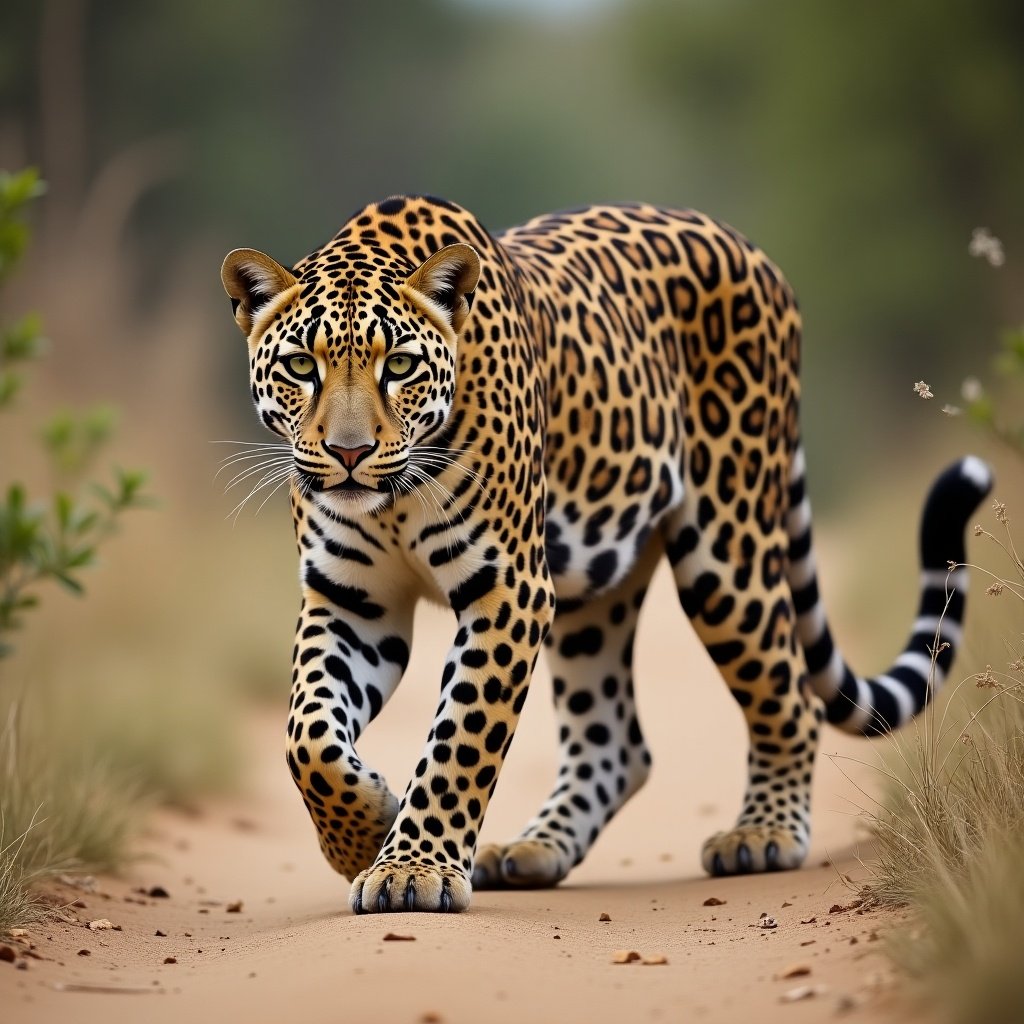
x=294, y=952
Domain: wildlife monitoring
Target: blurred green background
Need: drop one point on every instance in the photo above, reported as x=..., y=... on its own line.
x=860, y=145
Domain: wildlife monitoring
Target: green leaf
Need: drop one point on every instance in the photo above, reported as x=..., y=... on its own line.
x=68, y=581
x=10, y=385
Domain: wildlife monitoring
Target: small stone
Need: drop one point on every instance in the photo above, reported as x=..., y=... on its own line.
x=793, y=971
x=160, y=934
x=21, y=965
x=767, y=922
x=7, y=954
x=85, y=952
x=605, y=917
x=714, y=901
x=235, y=907
x=101, y=924
x=158, y=892
x=794, y=995
x=654, y=959
x=170, y=959
x=17, y=933
x=394, y=937
x=625, y=956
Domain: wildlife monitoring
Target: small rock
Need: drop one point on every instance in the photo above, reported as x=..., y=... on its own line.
x=431, y=1018
x=101, y=924
x=767, y=922
x=85, y=952
x=794, y=995
x=158, y=892
x=838, y=908
x=714, y=901
x=605, y=917
x=394, y=937
x=625, y=956
x=845, y=1003
x=17, y=933
x=786, y=904
x=21, y=965
x=810, y=920
x=235, y=907
x=160, y=934
x=7, y=954
x=793, y=971
x=654, y=959
x=170, y=959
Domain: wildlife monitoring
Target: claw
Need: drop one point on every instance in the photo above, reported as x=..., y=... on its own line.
x=357, y=902
x=718, y=865
x=410, y=895
x=384, y=896
x=771, y=856
x=446, y=897
x=509, y=868
x=744, y=862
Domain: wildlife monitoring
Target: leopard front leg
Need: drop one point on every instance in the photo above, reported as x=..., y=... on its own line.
x=602, y=754
x=427, y=859
x=350, y=653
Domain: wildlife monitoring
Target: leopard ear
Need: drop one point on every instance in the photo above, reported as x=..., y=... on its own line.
x=446, y=281
x=252, y=279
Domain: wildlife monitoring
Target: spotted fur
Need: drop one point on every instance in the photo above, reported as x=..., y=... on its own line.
x=582, y=395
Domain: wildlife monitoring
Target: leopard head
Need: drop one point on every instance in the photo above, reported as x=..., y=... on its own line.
x=352, y=360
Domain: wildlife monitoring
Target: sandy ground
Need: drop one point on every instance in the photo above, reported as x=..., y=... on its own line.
x=294, y=951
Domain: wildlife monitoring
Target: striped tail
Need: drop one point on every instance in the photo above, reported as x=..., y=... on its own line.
x=885, y=702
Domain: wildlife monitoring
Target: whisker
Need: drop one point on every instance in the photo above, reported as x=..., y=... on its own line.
x=249, y=471
x=278, y=487
x=255, y=444
x=269, y=479
x=436, y=461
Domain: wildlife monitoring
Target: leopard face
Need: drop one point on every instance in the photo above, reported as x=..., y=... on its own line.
x=353, y=365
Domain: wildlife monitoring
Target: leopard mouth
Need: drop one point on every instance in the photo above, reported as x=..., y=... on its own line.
x=351, y=486
x=315, y=482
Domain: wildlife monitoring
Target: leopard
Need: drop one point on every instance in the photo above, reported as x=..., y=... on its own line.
x=520, y=427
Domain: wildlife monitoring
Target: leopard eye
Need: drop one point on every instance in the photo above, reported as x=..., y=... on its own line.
x=302, y=367
x=399, y=365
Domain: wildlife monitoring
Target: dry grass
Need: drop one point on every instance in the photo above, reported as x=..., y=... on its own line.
x=950, y=837
x=81, y=770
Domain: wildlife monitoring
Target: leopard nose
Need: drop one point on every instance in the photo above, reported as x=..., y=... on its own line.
x=350, y=457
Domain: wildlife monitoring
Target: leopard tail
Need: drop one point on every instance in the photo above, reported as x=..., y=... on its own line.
x=879, y=704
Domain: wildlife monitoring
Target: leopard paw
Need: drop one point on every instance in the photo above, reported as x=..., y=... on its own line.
x=353, y=831
x=523, y=864
x=752, y=848
x=392, y=885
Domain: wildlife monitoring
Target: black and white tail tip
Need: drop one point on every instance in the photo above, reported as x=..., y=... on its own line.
x=879, y=704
